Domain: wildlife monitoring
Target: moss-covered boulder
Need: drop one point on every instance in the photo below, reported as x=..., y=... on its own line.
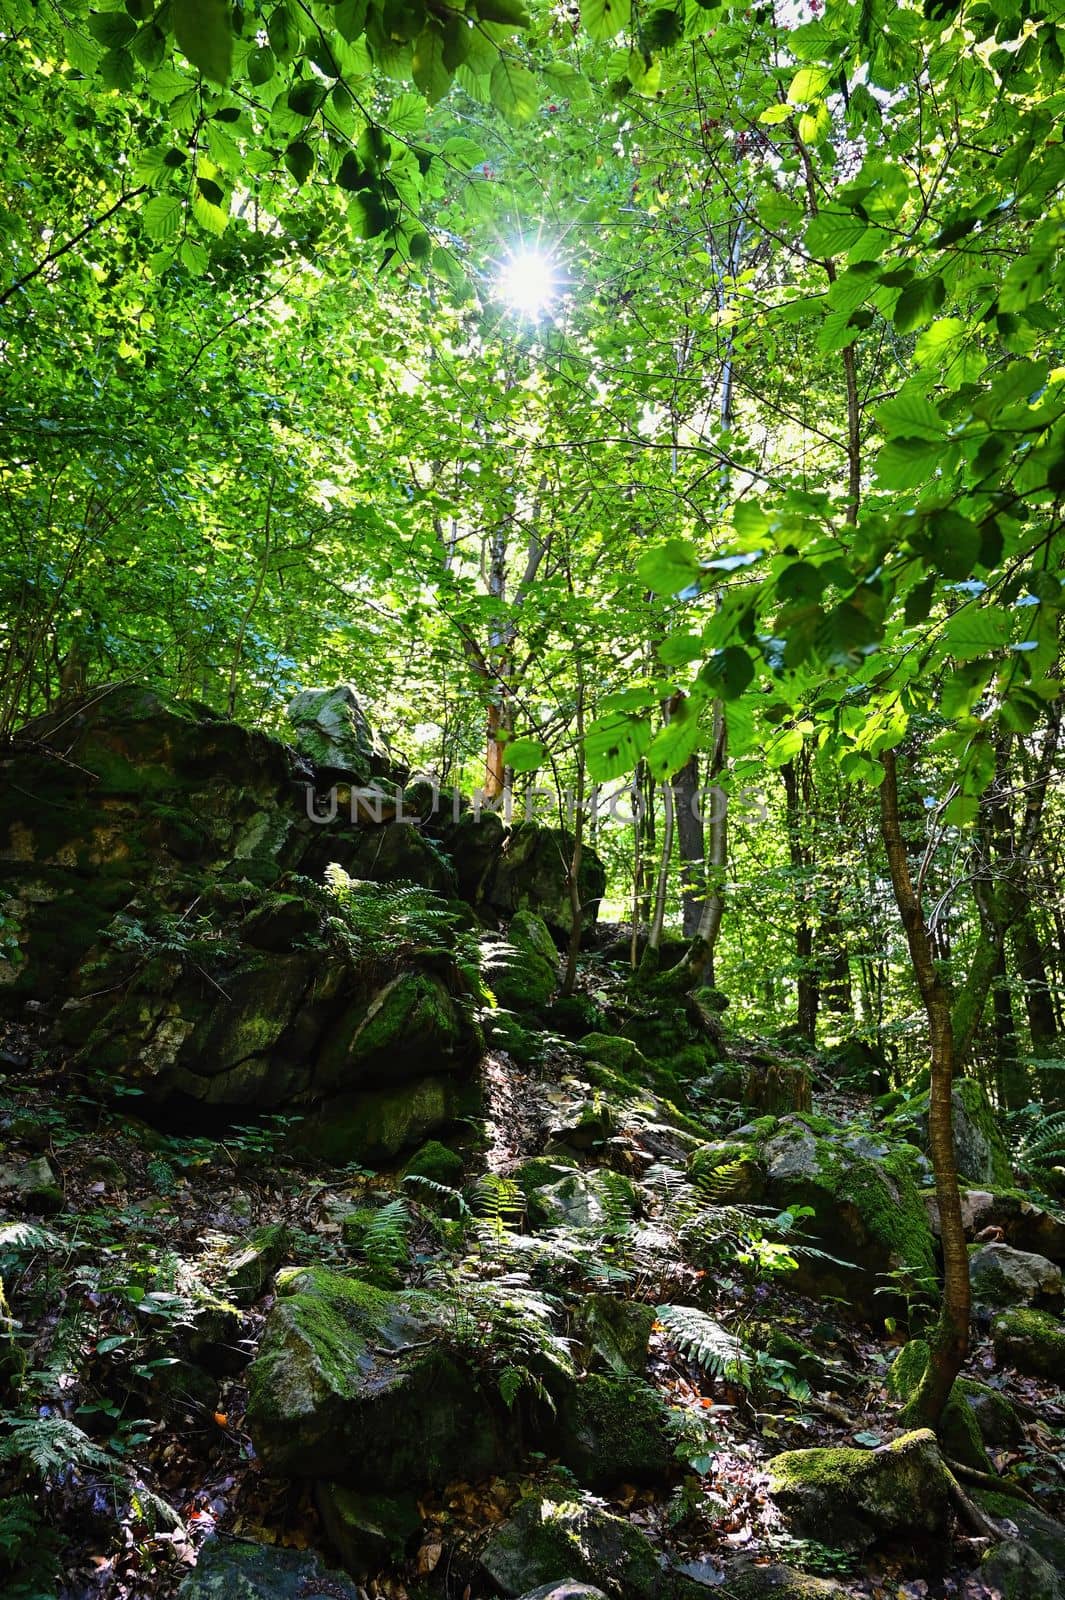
x=868, y=1208
x=601, y=1200
x=855, y=1498
x=1016, y=1571
x=614, y=1332
x=521, y=969
x=362, y=1387
x=250, y=1263
x=727, y=1172
x=974, y=1417
x=1044, y=1533
x=367, y=1531
x=437, y=1163
x=980, y=1148
x=622, y=1055
x=236, y=1569
x=530, y=875
x=547, y=1536
x=1002, y=1276
x=613, y=1430
x=750, y=1582
x=331, y=728
x=1031, y=1341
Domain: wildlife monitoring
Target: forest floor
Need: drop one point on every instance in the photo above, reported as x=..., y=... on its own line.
x=133, y=1196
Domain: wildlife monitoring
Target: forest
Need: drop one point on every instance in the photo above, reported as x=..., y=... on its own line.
x=532, y=800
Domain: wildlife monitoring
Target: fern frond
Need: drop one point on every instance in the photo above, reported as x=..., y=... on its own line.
x=442, y=1191
x=28, y=1236
x=385, y=1242
x=698, y=1336
x=52, y=1446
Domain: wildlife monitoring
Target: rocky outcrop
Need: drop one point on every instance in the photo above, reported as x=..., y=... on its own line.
x=237, y=1569
x=551, y=1535
x=166, y=868
x=1024, y=1224
x=1031, y=1341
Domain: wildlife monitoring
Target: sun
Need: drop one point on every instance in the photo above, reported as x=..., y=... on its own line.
x=528, y=282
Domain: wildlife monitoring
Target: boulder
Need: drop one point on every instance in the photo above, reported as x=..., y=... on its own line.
x=750, y=1582
x=367, y=1531
x=1031, y=1341
x=333, y=1030
x=726, y=1173
x=521, y=970
x=1002, y=1276
x=613, y=1430
x=239, y=1570
x=531, y=873
x=548, y=1535
x=331, y=729
x=974, y=1417
x=361, y=1386
x=1015, y=1571
x=868, y=1208
x=598, y=1199
x=565, y=1589
x=854, y=1498
x=614, y=1332
x=1025, y=1225
x=979, y=1146
x=1044, y=1533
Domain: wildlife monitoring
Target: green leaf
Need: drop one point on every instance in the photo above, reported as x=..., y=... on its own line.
x=513, y=90
x=202, y=30
x=112, y=29
x=774, y=114
x=116, y=69
x=912, y=416
x=299, y=159
x=193, y=255
x=728, y=672
x=511, y=12
x=832, y=232
x=907, y=463
x=162, y=216
x=673, y=745
x=669, y=568
x=680, y=648
x=949, y=543
x=973, y=631
x=809, y=83
x=525, y=755
x=614, y=744
x=919, y=303
x=430, y=71
x=605, y=19
x=306, y=96
x=262, y=65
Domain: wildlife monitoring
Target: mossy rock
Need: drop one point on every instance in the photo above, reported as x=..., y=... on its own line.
x=376, y=1125
x=519, y=976
x=854, y=1498
x=1003, y=1276
x=1031, y=1341
x=599, y=1200
x=613, y=1430
x=540, y=1171
x=573, y=1015
x=253, y=1261
x=530, y=875
x=980, y=1148
x=367, y=1531
x=550, y=1535
x=504, y=1031
x=1000, y=1426
x=618, y=1053
x=236, y=1569
x=868, y=1211
x=1016, y=1571
x=959, y=1429
x=749, y=1582
x=727, y=1172
x=1044, y=1533
x=615, y=1332
x=361, y=1387
x=437, y=1163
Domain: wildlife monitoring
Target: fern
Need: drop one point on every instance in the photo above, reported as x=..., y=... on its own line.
x=52, y=1446
x=21, y=1236
x=27, y=1550
x=386, y=1241
x=439, y=1191
x=1040, y=1140
x=706, y=1342
x=397, y=917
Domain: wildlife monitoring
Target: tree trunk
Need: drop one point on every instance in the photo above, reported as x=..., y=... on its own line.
x=654, y=932
x=950, y=1341
x=698, y=965
x=691, y=839
x=799, y=857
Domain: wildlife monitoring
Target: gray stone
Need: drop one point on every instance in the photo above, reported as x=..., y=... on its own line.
x=548, y=1535
x=23, y=1177
x=1002, y=1276
x=331, y=728
x=565, y=1589
x=239, y=1570
x=1018, y=1572
x=581, y=1200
